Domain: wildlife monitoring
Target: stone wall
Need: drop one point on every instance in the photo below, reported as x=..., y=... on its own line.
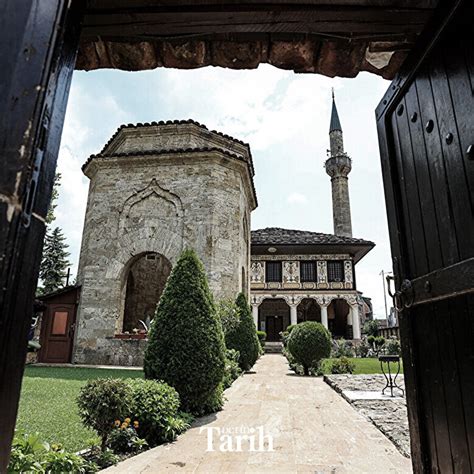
x=148, y=195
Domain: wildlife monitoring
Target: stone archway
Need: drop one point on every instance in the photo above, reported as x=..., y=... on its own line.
x=309, y=310
x=273, y=317
x=144, y=283
x=339, y=318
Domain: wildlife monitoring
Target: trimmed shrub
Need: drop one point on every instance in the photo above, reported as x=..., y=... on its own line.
x=155, y=405
x=232, y=368
x=101, y=402
x=244, y=337
x=228, y=314
x=262, y=337
x=392, y=346
x=285, y=335
x=342, y=366
x=186, y=343
x=309, y=342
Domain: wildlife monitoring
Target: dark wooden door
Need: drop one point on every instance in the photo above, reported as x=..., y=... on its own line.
x=274, y=328
x=57, y=333
x=426, y=134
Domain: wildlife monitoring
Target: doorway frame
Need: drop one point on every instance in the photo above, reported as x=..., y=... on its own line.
x=34, y=126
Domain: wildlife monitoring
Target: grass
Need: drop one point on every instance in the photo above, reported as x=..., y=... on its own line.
x=370, y=365
x=48, y=403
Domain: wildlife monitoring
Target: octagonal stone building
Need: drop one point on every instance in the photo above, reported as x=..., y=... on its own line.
x=156, y=189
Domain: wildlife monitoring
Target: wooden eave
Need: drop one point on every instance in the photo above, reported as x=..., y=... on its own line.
x=333, y=38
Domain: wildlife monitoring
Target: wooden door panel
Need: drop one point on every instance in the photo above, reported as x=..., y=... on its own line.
x=426, y=126
x=444, y=219
x=58, y=334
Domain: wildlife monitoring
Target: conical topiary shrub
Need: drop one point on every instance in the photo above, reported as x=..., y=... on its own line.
x=243, y=337
x=186, y=344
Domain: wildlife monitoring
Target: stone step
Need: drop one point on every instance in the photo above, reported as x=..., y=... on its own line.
x=273, y=347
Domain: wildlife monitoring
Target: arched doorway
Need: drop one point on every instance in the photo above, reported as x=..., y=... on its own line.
x=338, y=318
x=273, y=318
x=309, y=310
x=145, y=280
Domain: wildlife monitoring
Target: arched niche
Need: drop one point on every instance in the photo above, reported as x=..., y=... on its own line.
x=144, y=281
x=338, y=313
x=309, y=310
x=274, y=317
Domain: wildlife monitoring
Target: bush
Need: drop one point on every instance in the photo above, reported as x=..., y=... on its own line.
x=228, y=314
x=362, y=348
x=186, y=343
x=101, y=459
x=392, y=346
x=342, y=366
x=262, y=337
x=342, y=348
x=30, y=454
x=371, y=327
x=155, y=405
x=309, y=342
x=101, y=402
x=285, y=335
x=124, y=437
x=232, y=368
x=244, y=337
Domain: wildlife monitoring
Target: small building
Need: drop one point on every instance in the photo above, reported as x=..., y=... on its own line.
x=155, y=190
x=298, y=276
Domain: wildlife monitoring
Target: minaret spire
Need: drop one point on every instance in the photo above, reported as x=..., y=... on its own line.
x=338, y=166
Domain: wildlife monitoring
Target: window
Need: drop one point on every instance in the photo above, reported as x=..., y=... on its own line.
x=273, y=272
x=59, y=323
x=336, y=271
x=308, y=271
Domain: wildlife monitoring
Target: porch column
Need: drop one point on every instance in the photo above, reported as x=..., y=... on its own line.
x=355, y=322
x=324, y=316
x=255, y=314
x=293, y=314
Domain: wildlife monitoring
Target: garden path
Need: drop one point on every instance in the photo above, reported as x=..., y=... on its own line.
x=313, y=430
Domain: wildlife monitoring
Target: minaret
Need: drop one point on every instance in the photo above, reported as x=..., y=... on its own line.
x=338, y=166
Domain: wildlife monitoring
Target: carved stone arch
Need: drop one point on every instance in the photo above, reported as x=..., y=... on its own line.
x=166, y=243
x=152, y=189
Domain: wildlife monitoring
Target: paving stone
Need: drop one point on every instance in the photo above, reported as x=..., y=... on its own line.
x=314, y=430
x=388, y=414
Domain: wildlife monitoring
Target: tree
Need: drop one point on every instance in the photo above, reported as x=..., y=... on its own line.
x=185, y=343
x=308, y=343
x=371, y=327
x=243, y=337
x=50, y=217
x=54, y=262
x=228, y=313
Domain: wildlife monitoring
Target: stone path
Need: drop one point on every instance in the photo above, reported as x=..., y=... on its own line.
x=388, y=414
x=313, y=430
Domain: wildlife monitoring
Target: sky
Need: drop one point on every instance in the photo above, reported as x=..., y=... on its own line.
x=282, y=115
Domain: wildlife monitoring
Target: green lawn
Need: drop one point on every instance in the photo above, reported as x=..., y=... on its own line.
x=370, y=366
x=48, y=403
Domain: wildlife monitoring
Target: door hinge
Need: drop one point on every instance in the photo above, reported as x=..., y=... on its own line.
x=447, y=282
